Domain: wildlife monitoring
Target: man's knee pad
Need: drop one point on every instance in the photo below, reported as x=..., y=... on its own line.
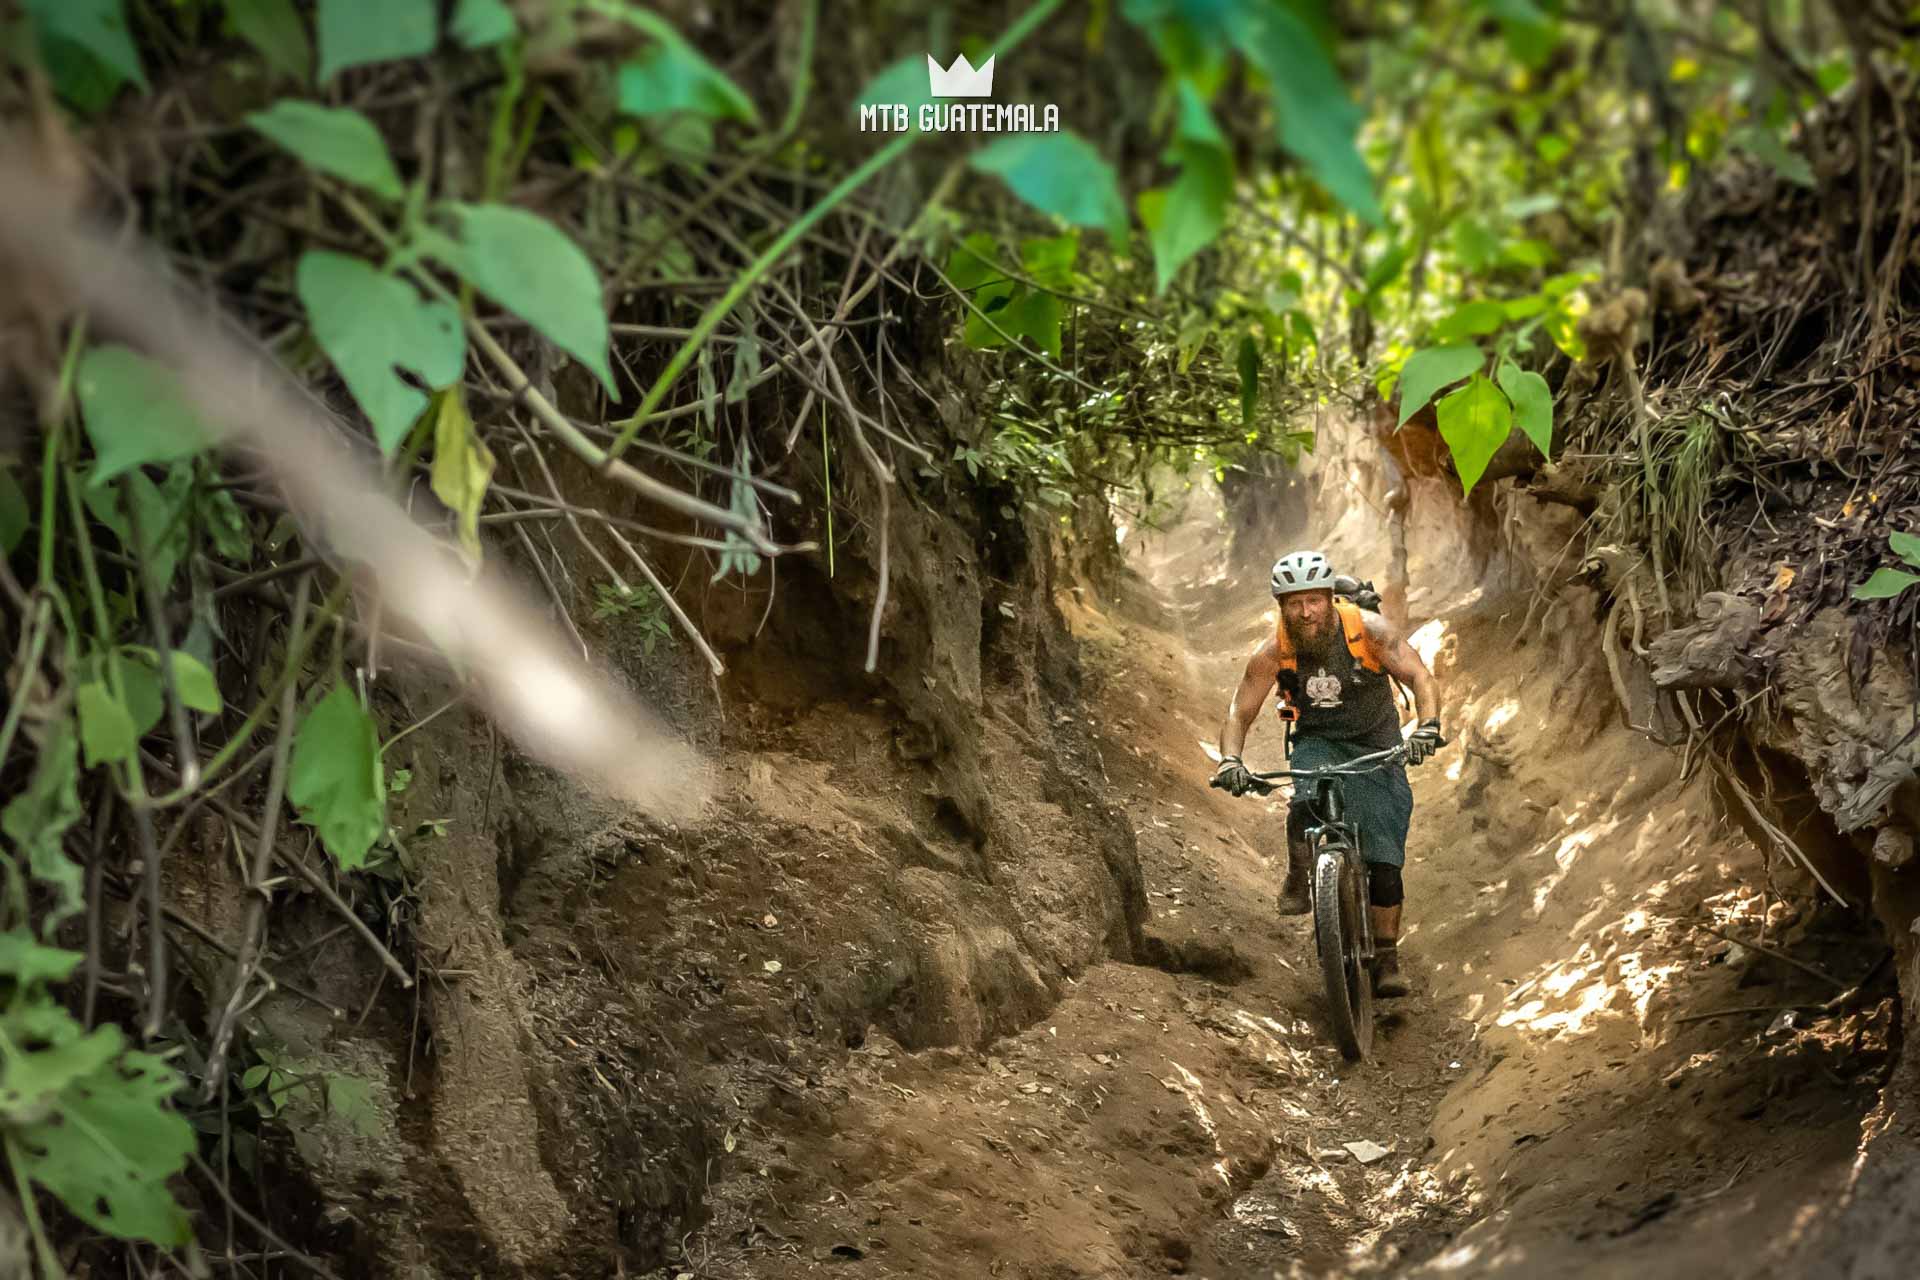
x=1383, y=885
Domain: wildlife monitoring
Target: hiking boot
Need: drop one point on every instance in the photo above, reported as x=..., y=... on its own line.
x=1295, y=895
x=1387, y=982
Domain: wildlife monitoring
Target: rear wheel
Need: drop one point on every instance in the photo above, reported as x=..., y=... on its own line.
x=1336, y=929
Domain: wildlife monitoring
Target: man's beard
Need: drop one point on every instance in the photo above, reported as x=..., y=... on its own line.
x=1311, y=643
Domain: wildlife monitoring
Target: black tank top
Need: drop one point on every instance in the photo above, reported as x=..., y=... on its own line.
x=1338, y=698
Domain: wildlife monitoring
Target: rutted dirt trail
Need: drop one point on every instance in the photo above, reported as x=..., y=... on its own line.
x=1549, y=1099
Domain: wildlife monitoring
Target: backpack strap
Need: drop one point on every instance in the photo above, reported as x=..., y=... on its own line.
x=1359, y=643
x=1352, y=623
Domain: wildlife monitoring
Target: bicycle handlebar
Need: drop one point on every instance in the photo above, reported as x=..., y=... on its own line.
x=1264, y=782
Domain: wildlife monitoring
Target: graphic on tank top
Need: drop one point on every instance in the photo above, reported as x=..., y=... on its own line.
x=1323, y=690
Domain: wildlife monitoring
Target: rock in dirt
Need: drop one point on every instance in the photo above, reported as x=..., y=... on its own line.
x=1366, y=1152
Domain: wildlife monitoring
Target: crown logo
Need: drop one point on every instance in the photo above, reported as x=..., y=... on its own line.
x=960, y=80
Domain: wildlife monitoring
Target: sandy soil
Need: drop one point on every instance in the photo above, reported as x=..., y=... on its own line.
x=1551, y=1100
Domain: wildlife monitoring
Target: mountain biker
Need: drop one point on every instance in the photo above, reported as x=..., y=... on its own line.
x=1330, y=660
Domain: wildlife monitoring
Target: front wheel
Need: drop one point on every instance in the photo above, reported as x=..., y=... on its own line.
x=1336, y=929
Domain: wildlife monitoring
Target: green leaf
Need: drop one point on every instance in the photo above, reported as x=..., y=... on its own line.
x=1906, y=546
x=1061, y=174
x=479, y=23
x=1474, y=421
x=272, y=27
x=462, y=467
x=1034, y=315
x=27, y=962
x=1470, y=321
x=32, y=1078
x=672, y=77
x=1187, y=217
x=1049, y=259
x=1249, y=362
x=1317, y=120
x=1430, y=369
x=903, y=82
x=354, y=33
x=14, y=516
x=1765, y=146
x=1532, y=404
x=108, y=1147
x=107, y=734
x=332, y=140
x=529, y=266
x=1474, y=245
x=134, y=412
x=975, y=261
x=197, y=688
x=335, y=779
x=1884, y=584
x=368, y=323
x=164, y=512
x=255, y=1076
x=37, y=820
x=99, y=27
x=1387, y=267
x=141, y=691
x=1529, y=254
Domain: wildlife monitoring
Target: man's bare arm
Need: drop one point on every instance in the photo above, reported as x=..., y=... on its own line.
x=1263, y=668
x=1403, y=662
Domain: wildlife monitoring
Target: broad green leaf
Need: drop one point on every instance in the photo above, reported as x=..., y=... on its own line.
x=1187, y=217
x=1061, y=174
x=903, y=82
x=975, y=261
x=529, y=266
x=368, y=323
x=97, y=27
x=107, y=735
x=1387, y=267
x=272, y=27
x=671, y=77
x=46, y=1049
x=108, y=1148
x=1035, y=316
x=1532, y=404
x=332, y=140
x=1524, y=308
x=134, y=412
x=354, y=33
x=477, y=24
x=1317, y=120
x=14, y=516
x=1470, y=321
x=1049, y=259
x=26, y=961
x=1765, y=146
x=1474, y=421
x=1474, y=245
x=1884, y=584
x=1428, y=370
x=990, y=300
x=335, y=779
x=1249, y=362
x=141, y=692
x=1906, y=546
x=164, y=510
x=1562, y=324
x=197, y=688
x=37, y=820
x=462, y=467
x=1530, y=254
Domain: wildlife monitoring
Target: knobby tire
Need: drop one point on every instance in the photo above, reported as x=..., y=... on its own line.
x=1349, y=988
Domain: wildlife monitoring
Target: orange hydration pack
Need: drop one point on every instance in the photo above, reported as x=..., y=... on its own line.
x=1359, y=644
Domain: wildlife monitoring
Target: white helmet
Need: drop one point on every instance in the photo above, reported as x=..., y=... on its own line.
x=1302, y=571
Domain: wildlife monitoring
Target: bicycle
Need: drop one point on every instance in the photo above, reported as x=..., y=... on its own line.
x=1342, y=926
